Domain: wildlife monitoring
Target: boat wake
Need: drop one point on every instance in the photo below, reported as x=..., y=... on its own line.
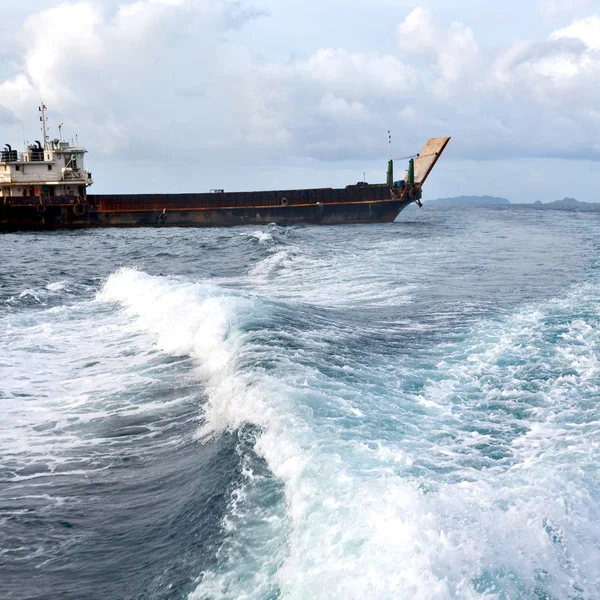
x=280, y=412
x=439, y=469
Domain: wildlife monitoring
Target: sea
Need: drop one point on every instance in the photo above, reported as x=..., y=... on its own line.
x=386, y=411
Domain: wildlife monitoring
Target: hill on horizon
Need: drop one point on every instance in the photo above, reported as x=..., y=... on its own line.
x=566, y=204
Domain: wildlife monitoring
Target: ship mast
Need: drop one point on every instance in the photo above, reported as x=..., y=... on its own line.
x=44, y=119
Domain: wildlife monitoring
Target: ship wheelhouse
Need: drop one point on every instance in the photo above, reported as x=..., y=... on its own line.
x=54, y=168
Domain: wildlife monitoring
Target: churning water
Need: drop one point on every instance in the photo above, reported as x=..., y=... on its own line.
x=381, y=411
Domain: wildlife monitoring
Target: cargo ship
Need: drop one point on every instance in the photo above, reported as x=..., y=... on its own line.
x=46, y=187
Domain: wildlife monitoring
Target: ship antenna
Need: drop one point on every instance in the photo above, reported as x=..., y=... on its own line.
x=389, y=144
x=44, y=119
x=60, y=126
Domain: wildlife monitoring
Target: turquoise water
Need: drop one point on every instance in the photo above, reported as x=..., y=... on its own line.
x=382, y=411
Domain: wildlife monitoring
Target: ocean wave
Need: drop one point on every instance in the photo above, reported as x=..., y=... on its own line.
x=328, y=413
x=358, y=505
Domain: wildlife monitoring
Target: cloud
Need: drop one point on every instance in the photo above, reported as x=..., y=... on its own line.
x=454, y=50
x=587, y=30
x=530, y=99
x=560, y=8
x=334, y=104
x=166, y=83
x=7, y=117
x=357, y=74
x=135, y=74
x=342, y=110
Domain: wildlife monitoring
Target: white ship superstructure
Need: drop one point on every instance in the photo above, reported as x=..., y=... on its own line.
x=45, y=169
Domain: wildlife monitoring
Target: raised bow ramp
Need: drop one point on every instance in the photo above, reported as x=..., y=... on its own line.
x=428, y=157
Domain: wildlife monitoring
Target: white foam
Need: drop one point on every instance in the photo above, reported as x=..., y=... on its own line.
x=32, y=293
x=262, y=236
x=61, y=370
x=357, y=524
x=56, y=286
x=359, y=528
x=331, y=276
x=369, y=510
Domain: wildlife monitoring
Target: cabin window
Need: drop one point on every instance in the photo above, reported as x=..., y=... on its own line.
x=49, y=167
x=18, y=167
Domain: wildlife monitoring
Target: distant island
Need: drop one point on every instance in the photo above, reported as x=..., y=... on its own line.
x=565, y=204
x=469, y=201
x=569, y=204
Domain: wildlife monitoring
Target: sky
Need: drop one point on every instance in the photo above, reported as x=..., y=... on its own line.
x=189, y=95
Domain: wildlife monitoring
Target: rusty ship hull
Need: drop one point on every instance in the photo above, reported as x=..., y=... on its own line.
x=360, y=203
x=326, y=207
